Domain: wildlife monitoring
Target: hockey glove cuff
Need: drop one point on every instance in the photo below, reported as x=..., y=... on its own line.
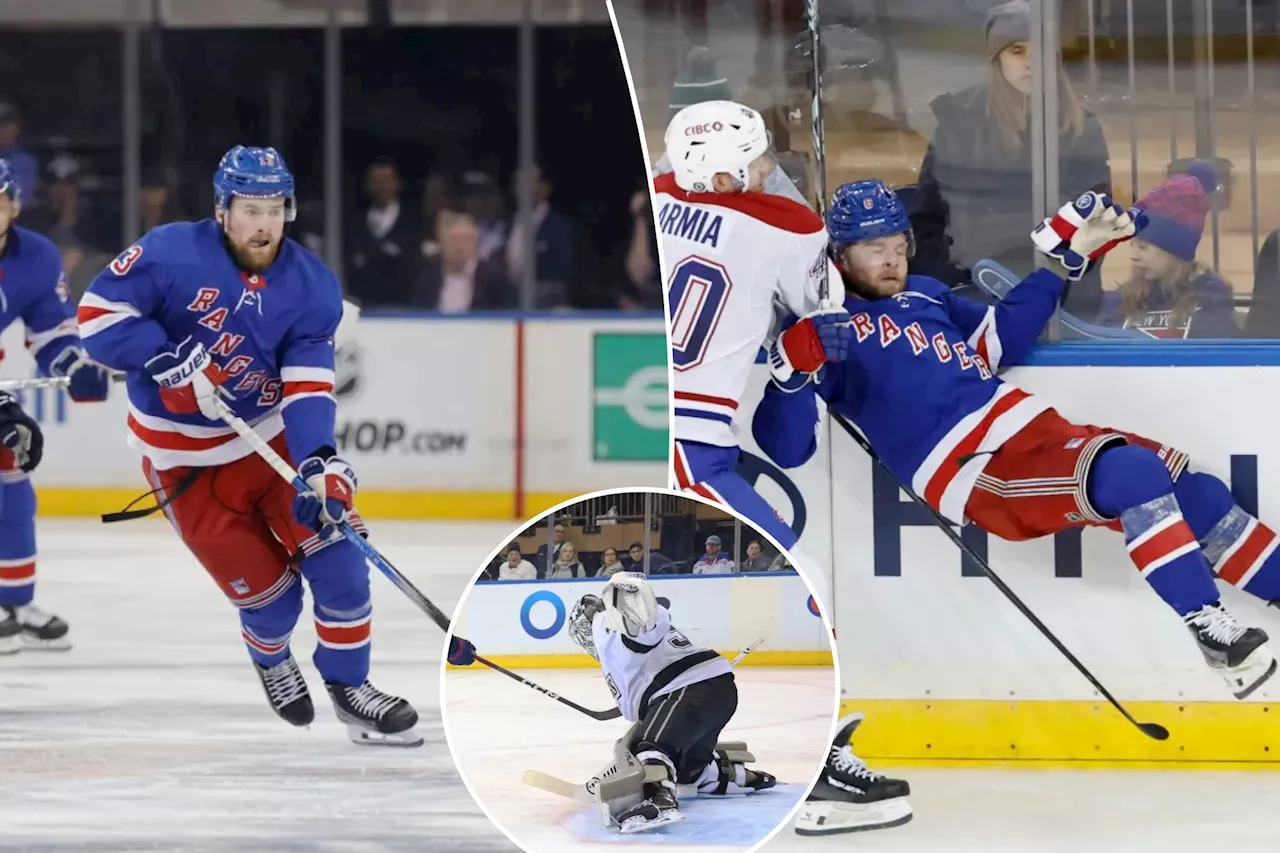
x=189, y=380
x=1082, y=232
x=333, y=492
x=461, y=652
x=802, y=349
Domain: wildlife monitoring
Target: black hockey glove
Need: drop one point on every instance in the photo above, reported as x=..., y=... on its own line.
x=20, y=434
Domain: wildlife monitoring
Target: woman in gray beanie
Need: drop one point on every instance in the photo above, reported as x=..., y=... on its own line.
x=974, y=197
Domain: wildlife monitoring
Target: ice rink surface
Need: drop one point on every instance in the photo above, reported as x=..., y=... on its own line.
x=498, y=729
x=152, y=733
x=1071, y=811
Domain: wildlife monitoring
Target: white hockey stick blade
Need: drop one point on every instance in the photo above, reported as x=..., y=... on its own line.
x=554, y=785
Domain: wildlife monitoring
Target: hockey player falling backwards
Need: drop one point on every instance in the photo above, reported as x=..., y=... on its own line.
x=678, y=698
x=230, y=308
x=921, y=383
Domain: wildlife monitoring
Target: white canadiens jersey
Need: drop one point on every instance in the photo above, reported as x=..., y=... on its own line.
x=727, y=259
x=655, y=663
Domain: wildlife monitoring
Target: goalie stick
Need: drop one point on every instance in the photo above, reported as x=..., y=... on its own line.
x=585, y=793
x=1151, y=730
x=286, y=471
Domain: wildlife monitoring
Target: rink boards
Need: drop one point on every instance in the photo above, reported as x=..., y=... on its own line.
x=523, y=624
x=947, y=670
x=470, y=417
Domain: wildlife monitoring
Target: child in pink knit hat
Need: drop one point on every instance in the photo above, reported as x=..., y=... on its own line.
x=1170, y=294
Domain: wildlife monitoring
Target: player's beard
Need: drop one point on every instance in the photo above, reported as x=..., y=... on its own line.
x=253, y=259
x=882, y=288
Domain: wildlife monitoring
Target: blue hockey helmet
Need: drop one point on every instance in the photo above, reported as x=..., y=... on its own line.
x=865, y=210
x=9, y=182
x=252, y=172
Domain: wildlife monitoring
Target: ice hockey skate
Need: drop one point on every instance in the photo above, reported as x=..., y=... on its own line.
x=659, y=808
x=1239, y=654
x=287, y=691
x=849, y=797
x=374, y=718
x=29, y=627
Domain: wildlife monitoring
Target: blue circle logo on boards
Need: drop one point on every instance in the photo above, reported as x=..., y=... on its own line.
x=812, y=604
x=527, y=608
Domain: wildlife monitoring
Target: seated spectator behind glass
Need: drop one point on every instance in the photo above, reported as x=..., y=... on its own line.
x=382, y=242
x=553, y=246
x=567, y=564
x=658, y=564
x=516, y=568
x=755, y=561
x=483, y=202
x=781, y=564
x=715, y=561
x=1170, y=294
x=456, y=280
x=155, y=198
x=610, y=565
x=974, y=198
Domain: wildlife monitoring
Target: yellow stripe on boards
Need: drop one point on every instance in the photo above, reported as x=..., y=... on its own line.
x=372, y=503
x=961, y=732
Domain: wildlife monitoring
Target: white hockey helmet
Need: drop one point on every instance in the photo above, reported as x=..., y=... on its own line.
x=706, y=139
x=630, y=607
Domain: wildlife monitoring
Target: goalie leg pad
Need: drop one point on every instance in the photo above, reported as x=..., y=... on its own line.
x=728, y=774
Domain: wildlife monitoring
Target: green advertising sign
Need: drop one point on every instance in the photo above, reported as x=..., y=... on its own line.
x=631, y=418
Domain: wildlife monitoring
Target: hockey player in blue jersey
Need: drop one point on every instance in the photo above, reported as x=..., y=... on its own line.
x=21, y=440
x=33, y=290
x=230, y=308
x=921, y=384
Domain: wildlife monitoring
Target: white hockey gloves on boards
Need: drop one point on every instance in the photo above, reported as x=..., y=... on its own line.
x=1084, y=230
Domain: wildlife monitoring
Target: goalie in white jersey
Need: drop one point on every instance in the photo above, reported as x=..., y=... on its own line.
x=677, y=696
x=730, y=251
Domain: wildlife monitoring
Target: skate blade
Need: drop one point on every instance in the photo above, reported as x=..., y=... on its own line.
x=406, y=739
x=62, y=644
x=1244, y=679
x=824, y=817
x=10, y=645
x=633, y=826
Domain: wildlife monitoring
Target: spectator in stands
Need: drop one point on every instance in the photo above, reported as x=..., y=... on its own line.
x=553, y=248
x=610, y=565
x=566, y=564
x=20, y=159
x=714, y=561
x=457, y=280
x=382, y=242
x=781, y=563
x=642, y=288
x=483, y=202
x=1169, y=294
x=974, y=198
x=59, y=218
x=659, y=564
x=557, y=542
x=516, y=568
x=755, y=561
x=156, y=199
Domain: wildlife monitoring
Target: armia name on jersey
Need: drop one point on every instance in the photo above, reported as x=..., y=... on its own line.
x=864, y=326
x=691, y=223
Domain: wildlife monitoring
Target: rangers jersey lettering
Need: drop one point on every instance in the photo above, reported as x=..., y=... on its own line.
x=640, y=669
x=727, y=259
x=272, y=333
x=921, y=384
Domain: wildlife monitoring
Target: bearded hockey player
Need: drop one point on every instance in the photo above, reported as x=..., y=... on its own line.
x=21, y=446
x=921, y=384
x=228, y=308
x=678, y=698
x=730, y=250
x=33, y=290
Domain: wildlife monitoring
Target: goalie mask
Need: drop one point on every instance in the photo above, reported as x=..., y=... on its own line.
x=630, y=607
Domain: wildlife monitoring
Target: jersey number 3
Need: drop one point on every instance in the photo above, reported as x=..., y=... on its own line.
x=697, y=292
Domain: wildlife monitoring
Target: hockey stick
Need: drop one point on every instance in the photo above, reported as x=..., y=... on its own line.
x=1151, y=730
x=287, y=472
x=585, y=793
x=38, y=382
x=819, y=138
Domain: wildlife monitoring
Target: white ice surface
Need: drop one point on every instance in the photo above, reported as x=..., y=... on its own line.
x=499, y=728
x=152, y=733
x=1071, y=811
